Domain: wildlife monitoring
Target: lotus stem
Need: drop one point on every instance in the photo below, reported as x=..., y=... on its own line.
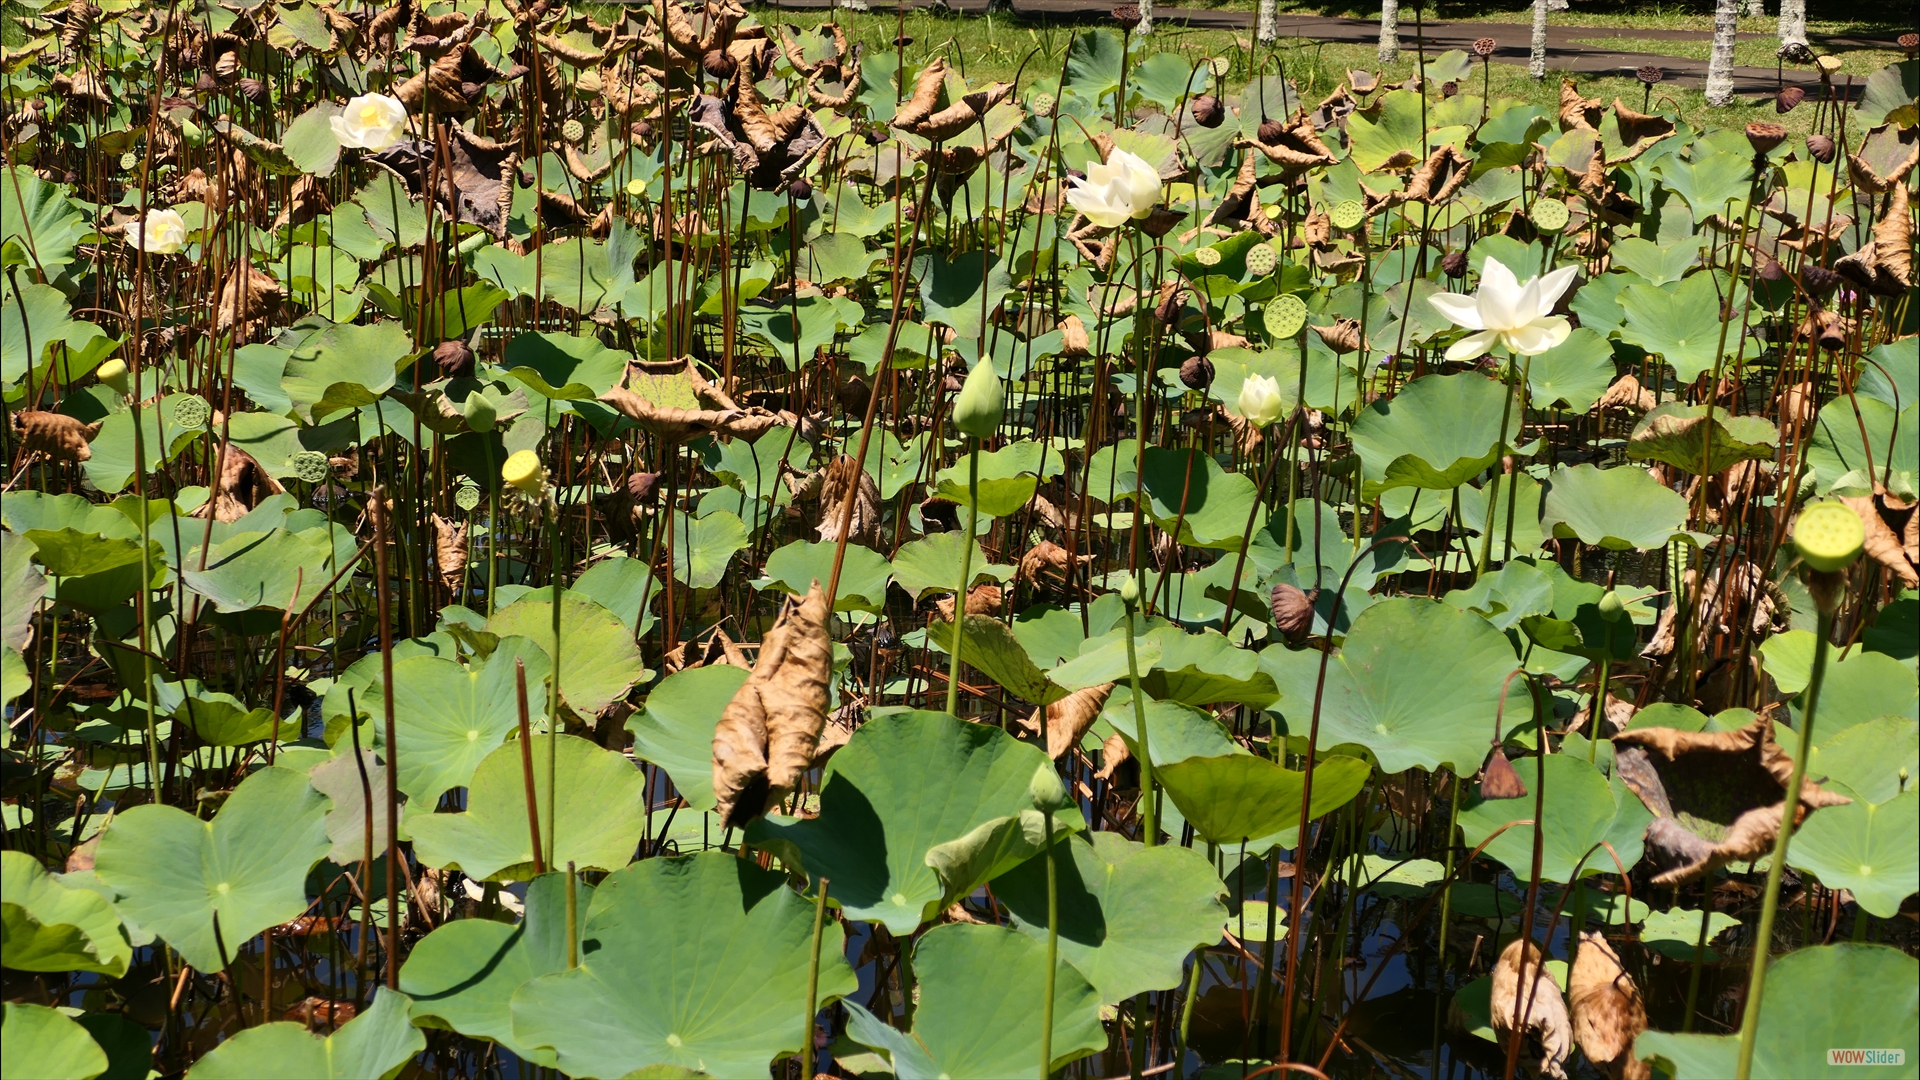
x=1770, y=902
x=966, y=572
x=553, y=682
x=813, y=982
x=573, y=916
x=1053, y=950
x=1493, y=485
x=1149, y=794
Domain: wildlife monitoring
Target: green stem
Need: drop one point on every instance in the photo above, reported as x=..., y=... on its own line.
x=1770, y=905
x=1053, y=952
x=1149, y=795
x=573, y=916
x=553, y=685
x=1186, y=1011
x=1598, y=710
x=1493, y=485
x=966, y=572
x=813, y=983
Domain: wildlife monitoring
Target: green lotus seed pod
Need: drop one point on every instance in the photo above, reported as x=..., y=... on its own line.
x=1550, y=215
x=1829, y=536
x=977, y=410
x=1347, y=214
x=573, y=131
x=114, y=373
x=1285, y=315
x=1261, y=260
x=192, y=412
x=480, y=412
x=1611, y=608
x=1207, y=256
x=1043, y=104
x=129, y=161
x=467, y=498
x=1130, y=591
x=309, y=466
x=1045, y=791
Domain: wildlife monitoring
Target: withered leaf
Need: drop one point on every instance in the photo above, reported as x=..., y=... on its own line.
x=1065, y=721
x=450, y=553
x=844, y=480
x=1522, y=986
x=925, y=97
x=1626, y=393
x=1884, y=265
x=982, y=599
x=1607, y=1010
x=474, y=184
x=243, y=485
x=57, y=435
x=1883, y=544
x=767, y=734
x=247, y=295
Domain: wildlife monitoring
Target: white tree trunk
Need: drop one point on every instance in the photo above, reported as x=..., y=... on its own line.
x=1753, y=9
x=1265, y=29
x=1146, y=18
x=1389, y=31
x=1793, y=22
x=1720, y=64
x=1537, y=64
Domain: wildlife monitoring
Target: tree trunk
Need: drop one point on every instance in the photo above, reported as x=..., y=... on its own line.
x=1793, y=23
x=1753, y=9
x=1265, y=29
x=1720, y=65
x=1389, y=31
x=1146, y=18
x=1537, y=64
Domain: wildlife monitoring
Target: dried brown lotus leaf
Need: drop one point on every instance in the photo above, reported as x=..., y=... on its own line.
x=671, y=424
x=57, y=435
x=925, y=97
x=1242, y=195
x=1626, y=393
x=1114, y=755
x=1716, y=796
x=680, y=32
x=844, y=479
x=1047, y=563
x=849, y=81
x=949, y=121
x=1576, y=112
x=474, y=187
x=1619, y=713
x=436, y=89
x=1639, y=131
x=1443, y=173
x=1884, y=265
x=248, y=294
x=1522, y=986
x=244, y=484
x=1883, y=545
x=1073, y=337
x=1608, y=1013
x=1342, y=337
x=784, y=704
x=982, y=599
x=386, y=22
x=1797, y=404
x=1067, y=720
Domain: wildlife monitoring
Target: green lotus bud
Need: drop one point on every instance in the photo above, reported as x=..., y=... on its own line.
x=977, y=410
x=1045, y=790
x=1611, y=607
x=192, y=133
x=1829, y=536
x=113, y=373
x=479, y=411
x=1130, y=591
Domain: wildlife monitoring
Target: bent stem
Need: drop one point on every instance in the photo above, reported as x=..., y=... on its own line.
x=1770, y=904
x=813, y=983
x=966, y=572
x=1053, y=951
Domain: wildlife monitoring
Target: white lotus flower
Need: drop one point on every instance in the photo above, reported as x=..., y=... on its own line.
x=163, y=233
x=371, y=122
x=1505, y=312
x=1260, y=400
x=1122, y=187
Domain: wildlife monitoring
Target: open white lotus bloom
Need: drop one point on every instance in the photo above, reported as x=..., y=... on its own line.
x=1260, y=401
x=371, y=122
x=164, y=232
x=1117, y=190
x=1505, y=312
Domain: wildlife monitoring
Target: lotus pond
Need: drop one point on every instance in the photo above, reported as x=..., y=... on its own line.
x=650, y=542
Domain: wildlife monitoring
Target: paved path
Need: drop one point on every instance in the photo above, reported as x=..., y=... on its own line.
x=1564, y=51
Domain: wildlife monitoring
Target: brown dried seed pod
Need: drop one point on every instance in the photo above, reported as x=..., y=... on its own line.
x=1649, y=74
x=1788, y=99
x=1127, y=15
x=1818, y=279
x=1821, y=148
x=453, y=358
x=719, y=65
x=1763, y=136
x=1196, y=373
x=1454, y=264
x=1484, y=47
x=1292, y=610
x=1271, y=130
x=1498, y=780
x=254, y=91
x=1207, y=111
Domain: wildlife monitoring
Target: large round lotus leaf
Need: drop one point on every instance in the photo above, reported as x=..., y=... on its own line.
x=222, y=720
x=991, y=646
x=50, y=927
x=1685, y=437
x=980, y=1009
x=357, y=789
x=1837, y=450
x=1417, y=683
x=1129, y=914
x=448, y=717
x=1861, y=686
x=1675, y=933
x=250, y=570
x=344, y=367
x=1582, y=808
x=1438, y=432
x=1617, y=508
x=112, y=464
x=902, y=786
x=1241, y=797
x=1679, y=321
x=38, y=1043
x=675, y=729
x=599, y=661
x=1209, y=503
x=1175, y=732
x=1871, y=849
x=377, y=1043
x=565, y=366
x=174, y=873
x=931, y=564
x=1867, y=758
x=599, y=812
x=463, y=975
x=1577, y=371
x=699, y=961
x=863, y=576
x=1829, y=997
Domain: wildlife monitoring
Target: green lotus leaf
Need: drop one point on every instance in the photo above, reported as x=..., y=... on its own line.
x=1890, y=96
x=1871, y=849
x=463, y=974
x=1658, y=263
x=980, y=1013
x=839, y=256
x=15, y=679
x=21, y=511
x=1680, y=322
x=310, y=142
x=356, y=796
x=1709, y=180
x=705, y=546
x=863, y=574
x=1205, y=669
x=1243, y=797
x=990, y=645
x=903, y=785
x=1618, y=509
x=1399, y=134
x=280, y=569
x=223, y=720
x=675, y=728
x=1684, y=436
x=92, y=573
x=1417, y=683
x=1675, y=933
x=50, y=927
x=623, y=586
x=959, y=292
x=1507, y=595
x=448, y=717
x=1129, y=914
x=599, y=661
x=129, y=1046
x=1839, y=457
x=599, y=813
x=377, y=1043
x=999, y=496
x=1190, y=491
x=1861, y=686
x=1438, y=432
x=344, y=367
x=1175, y=731
x=1866, y=757
x=111, y=467
x=699, y=962
x=1881, y=988
x=1788, y=659
x=38, y=1043
x=42, y=227
x=1583, y=808
x=176, y=874
x=564, y=367
x=931, y=563
x=1575, y=372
